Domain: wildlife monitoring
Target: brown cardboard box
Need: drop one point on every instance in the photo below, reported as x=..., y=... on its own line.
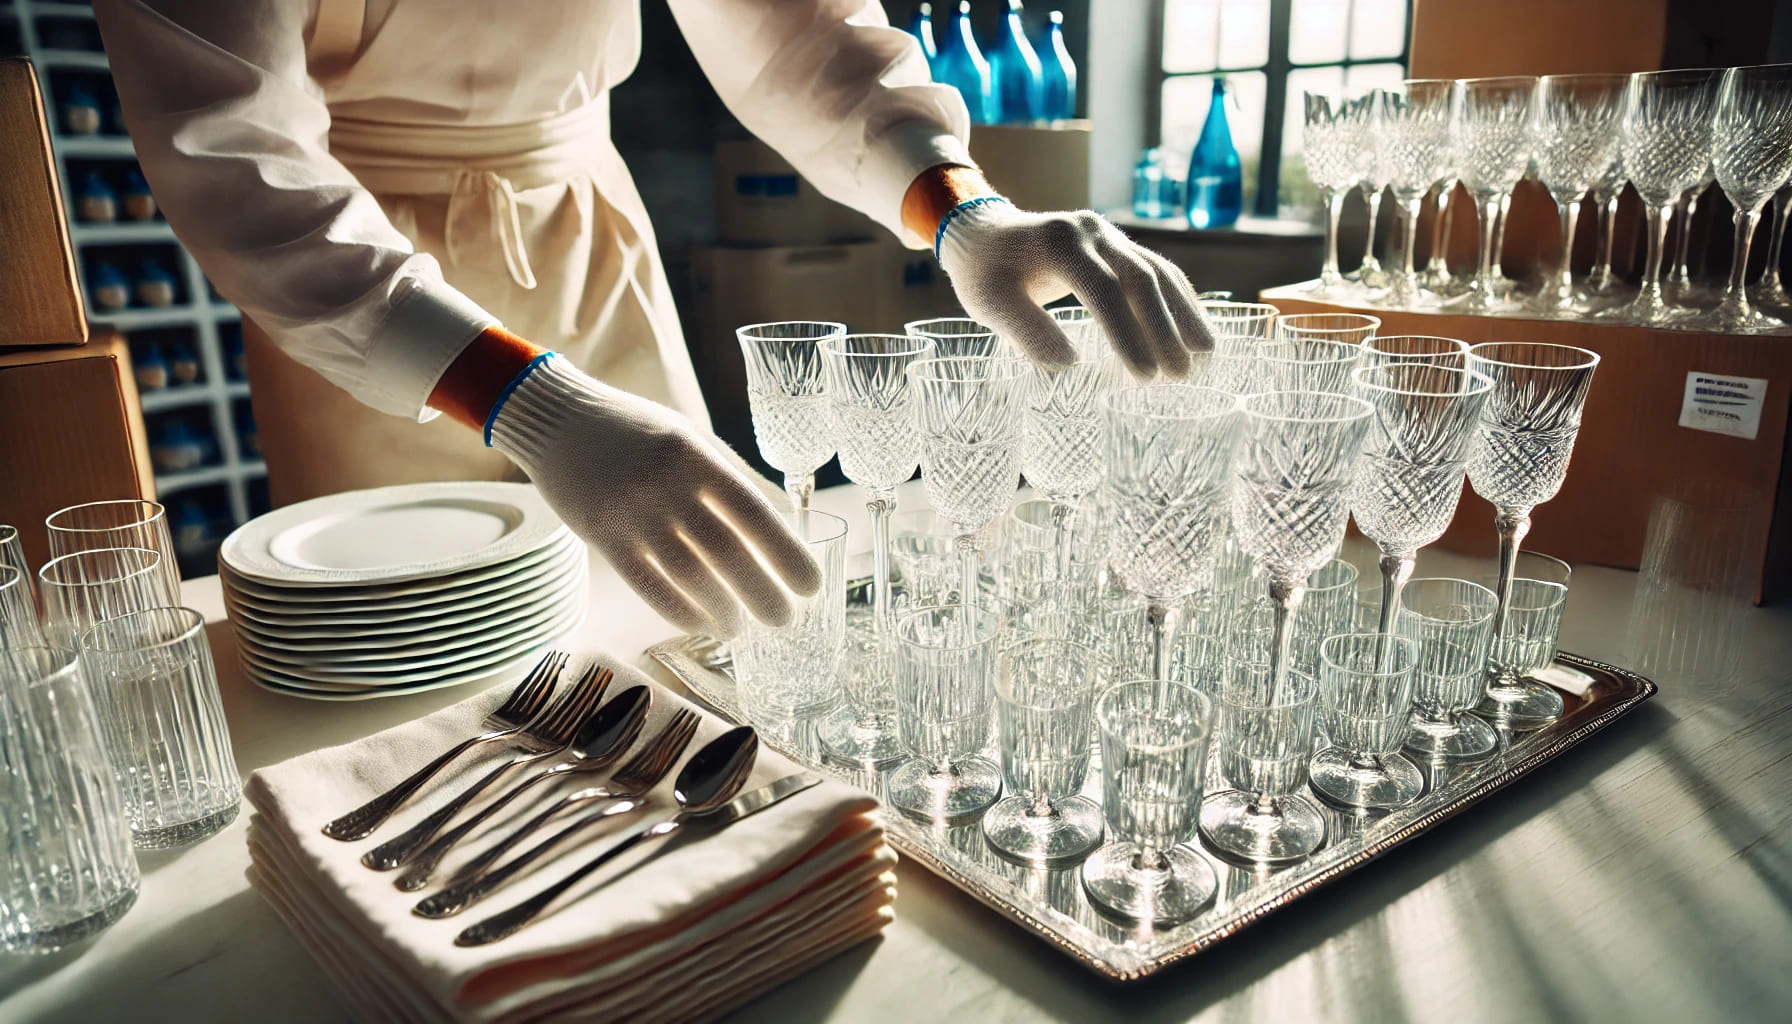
x=1039, y=168
x=39, y=293
x=1631, y=447
x=74, y=433
x=762, y=200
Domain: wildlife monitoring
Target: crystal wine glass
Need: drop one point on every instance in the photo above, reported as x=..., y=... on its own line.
x=1602, y=287
x=1061, y=438
x=956, y=336
x=1169, y=458
x=1290, y=496
x=1575, y=135
x=1264, y=743
x=874, y=426
x=1665, y=144
x=1336, y=140
x=1771, y=291
x=1678, y=286
x=1451, y=623
x=968, y=409
x=1365, y=699
x=1495, y=146
x=1045, y=689
x=1415, y=153
x=1518, y=461
x=1384, y=349
x=1437, y=276
x=1410, y=478
x=1752, y=153
x=1369, y=274
x=786, y=390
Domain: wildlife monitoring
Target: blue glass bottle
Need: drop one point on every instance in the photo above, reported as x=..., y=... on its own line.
x=921, y=27
x=1015, y=68
x=1215, y=191
x=1151, y=184
x=961, y=65
x=1057, y=71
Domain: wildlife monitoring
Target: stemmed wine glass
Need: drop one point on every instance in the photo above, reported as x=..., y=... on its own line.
x=1336, y=139
x=1575, y=128
x=1298, y=453
x=1518, y=461
x=1665, y=143
x=1752, y=153
x=968, y=409
x=1169, y=458
x=1437, y=276
x=874, y=426
x=1602, y=286
x=1416, y=151
x=1369, y=274
x=1678, y=286
x=786, y=390
x=1406, y=488
x=1061, y=439
x=1770, y=291
x=1494, y=148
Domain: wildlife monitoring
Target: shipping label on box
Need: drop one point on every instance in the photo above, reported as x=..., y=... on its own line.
x=1723, y=404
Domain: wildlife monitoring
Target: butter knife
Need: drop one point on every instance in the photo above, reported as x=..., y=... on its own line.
x=508, y=923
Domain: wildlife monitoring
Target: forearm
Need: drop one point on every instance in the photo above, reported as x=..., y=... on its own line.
x=937, y=190
x=472, y=385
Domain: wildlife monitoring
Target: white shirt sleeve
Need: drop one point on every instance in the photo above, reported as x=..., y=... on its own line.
x=232, y=134
x=839, y=93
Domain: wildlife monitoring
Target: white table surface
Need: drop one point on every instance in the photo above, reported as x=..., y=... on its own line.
x=1645, y=876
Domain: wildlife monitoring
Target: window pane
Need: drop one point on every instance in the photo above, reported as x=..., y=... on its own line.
x=1191, y=34
x=1377, y=29
x=1363, y=77
x=1316, y=32
x=1185, y=109
x=1296, y=193
x=1244, y=33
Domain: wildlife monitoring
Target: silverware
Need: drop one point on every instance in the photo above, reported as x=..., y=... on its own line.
x=506, y=723
x=544, y=737
x=632, y=781
x=518, y=917
x=603, y=738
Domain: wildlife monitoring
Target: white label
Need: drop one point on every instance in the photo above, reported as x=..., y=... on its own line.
x=1723, y=405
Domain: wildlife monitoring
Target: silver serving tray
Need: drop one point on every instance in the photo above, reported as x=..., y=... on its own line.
x=1050, y=903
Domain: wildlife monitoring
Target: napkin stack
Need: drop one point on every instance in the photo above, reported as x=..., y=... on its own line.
x=709, y=923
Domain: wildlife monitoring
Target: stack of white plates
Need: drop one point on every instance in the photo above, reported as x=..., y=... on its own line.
x=400, y=589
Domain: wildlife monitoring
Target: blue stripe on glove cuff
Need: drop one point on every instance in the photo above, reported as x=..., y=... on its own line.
x=504, y=396
x=958, y=211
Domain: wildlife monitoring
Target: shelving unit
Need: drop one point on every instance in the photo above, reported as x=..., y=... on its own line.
x=43, y=31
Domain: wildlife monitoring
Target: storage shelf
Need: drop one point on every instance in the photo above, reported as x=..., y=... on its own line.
x=139, y=317
x=176, y=397
x=89, y=146
x=200, y=477
x=86, y=233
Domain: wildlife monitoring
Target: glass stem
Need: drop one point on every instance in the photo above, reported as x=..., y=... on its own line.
x=967, y=569
x=1570, y=214
x=1601, y=277
x=800, y=487
x=1736, y=296
x=1512, y=523
x=1683, y=211
x=1440, y=229
x=1782, y=206
x=1334, y=209
x=1490, y=223
x=1063, y=513
x=1396, y=569
x=1042, y=806
x=1374, y=200
x=1166, y=621
x=1286, y=592
x=1410, y=228
x=1658, y=242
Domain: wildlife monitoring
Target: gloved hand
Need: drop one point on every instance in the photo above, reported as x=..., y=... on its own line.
x=657, y=496
x=1004, y=263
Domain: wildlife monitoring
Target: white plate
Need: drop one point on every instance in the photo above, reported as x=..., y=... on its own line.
x=392, y=534
x=406, y=620
x=418, y=591
x=511, y=670
x=296, y=673
x=377, y=656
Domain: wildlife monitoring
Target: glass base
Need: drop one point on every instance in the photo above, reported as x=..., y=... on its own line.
x=1392, y=782
x=62, y=936
x=868, y=743
x=1068, y=834
x=1458, y=738
x=1115, y=884
x=1736, y=318
x=1528, y=705
x=955, y=796
x=1232, y=826
x=1478, y=303
x=162, y=837
x=1773, y=296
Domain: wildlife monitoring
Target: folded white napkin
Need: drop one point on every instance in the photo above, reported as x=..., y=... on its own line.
x=691, y=932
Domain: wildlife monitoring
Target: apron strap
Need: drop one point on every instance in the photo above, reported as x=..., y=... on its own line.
x=336, y=34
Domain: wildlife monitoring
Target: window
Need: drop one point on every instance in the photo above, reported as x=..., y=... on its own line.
x=1270, y=52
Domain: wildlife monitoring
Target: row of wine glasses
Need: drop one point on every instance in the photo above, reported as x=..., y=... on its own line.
x=1669, y=134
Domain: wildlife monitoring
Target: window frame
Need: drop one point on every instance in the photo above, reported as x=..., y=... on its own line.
x=1275, y=71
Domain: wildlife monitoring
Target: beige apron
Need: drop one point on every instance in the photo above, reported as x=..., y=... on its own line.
x=539, y=223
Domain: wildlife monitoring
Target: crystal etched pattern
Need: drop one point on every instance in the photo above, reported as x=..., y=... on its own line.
x=1530, y=420
x=1416, y=452
x=1061, y=431
x=1666, y=140
x=969, y=415
x=1299, y=452
x=1169, y=451
x=786, y=391
x=873, y=408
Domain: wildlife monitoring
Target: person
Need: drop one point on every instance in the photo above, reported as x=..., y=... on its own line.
x=407, y=199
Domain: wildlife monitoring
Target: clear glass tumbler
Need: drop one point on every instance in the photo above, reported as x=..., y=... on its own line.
x=12, y=553
x=1365, y=697
x=163, y=722
x=1451, y=623
x=85, y=588
x=18, y=616
x=130, y=523
x=1413, y=348
x=957, y=336
x=69, y=871
x=1534, y=611
x=1045, y=692
x=791, y=672
x=945, y=697
x=1154, y=738
x=1265, y=740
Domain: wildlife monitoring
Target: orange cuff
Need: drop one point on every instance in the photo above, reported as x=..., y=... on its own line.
x=937, y=190
x=473, y=383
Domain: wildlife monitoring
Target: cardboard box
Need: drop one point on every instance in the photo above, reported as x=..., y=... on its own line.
x=762, y=200
x=1043, y=167
x=1632, y=445
x=74, y=433
x=39, y=292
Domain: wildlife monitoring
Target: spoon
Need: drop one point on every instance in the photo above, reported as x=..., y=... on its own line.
x=709, y=780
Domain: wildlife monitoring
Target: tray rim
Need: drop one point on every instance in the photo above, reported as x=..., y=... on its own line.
x=1639, y=689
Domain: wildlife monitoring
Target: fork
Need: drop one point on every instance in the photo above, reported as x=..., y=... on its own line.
x=506, y=723
x=596, y=747
x=631, y=783
x=545, y=737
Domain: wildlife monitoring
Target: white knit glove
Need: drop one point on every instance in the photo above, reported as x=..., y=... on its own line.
x=1004, y=263
x=666, y=503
